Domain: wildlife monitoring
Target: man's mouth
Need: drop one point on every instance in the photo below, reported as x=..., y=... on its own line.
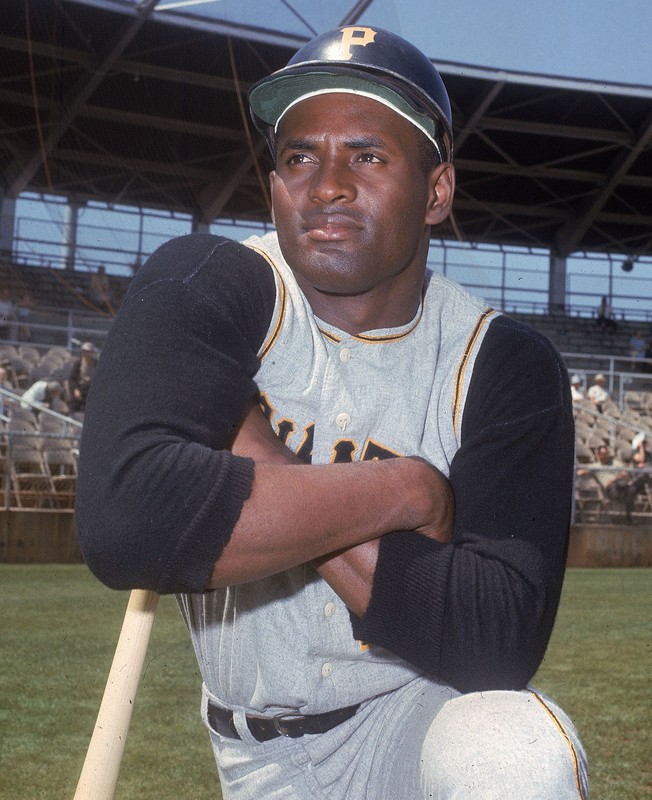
x=333, y=227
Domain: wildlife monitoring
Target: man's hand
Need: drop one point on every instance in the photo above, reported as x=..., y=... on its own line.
x=439, y=517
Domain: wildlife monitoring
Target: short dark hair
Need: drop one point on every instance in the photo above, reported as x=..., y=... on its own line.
x=428, y=154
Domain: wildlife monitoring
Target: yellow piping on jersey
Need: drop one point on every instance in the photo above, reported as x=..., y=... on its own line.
x=273, y=335
x=382, y=339
x=330, y=336
x=468, y=350
x=560, y=728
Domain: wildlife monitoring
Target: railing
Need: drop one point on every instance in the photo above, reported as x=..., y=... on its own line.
x=48, y=457
x=619, y=381
x=14, y=397
x=38, y=242
x=66, y=329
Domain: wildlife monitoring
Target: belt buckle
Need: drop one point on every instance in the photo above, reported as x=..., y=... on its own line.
x=280, y=727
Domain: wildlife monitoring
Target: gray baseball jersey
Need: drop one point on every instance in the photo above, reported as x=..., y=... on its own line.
x=286, y=643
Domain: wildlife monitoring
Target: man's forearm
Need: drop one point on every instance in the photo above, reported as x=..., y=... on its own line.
x=298, y=513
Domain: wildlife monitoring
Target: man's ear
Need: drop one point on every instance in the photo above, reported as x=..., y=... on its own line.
x=441, y=190
x=272, y=178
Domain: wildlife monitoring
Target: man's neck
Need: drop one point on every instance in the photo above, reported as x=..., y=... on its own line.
x=354, y=315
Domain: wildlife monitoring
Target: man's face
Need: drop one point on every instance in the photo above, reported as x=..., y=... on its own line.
x=350, y=201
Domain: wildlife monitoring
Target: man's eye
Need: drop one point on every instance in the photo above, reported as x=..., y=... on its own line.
x=369, y=158
x=298, y=158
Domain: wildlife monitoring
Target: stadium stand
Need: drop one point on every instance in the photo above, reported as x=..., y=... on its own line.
x=38, y=445
x=617, y=429
x=60, y=306
x=587, y=350
x=56, y=289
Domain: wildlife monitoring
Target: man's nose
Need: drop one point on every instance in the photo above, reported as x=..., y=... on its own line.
x=333, y=181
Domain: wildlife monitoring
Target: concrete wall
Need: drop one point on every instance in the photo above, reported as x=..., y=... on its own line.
x=38, y=537
x=49, y=537
x=610, y=546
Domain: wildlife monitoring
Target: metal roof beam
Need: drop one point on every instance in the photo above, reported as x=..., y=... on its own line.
x=472, y=123
x=552, y=214
x=622, y=138
x=355, y=12
x=176, y=169
x=129, y=66
x=136, y=118
x=215, y=198
x=79, y=96
x=571, y=234
x=547, y=173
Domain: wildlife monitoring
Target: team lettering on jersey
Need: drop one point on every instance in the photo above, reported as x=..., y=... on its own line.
x=343, y=450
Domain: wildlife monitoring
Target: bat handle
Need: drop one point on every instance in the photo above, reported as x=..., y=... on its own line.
x=99, y=774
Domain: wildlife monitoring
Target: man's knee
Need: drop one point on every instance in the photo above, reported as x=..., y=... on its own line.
x=502, y=745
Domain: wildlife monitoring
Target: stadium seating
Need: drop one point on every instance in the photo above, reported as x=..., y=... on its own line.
x=38, y=456
x=615, y=428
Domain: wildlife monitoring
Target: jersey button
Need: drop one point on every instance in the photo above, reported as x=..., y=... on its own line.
x=329, y=609
x=327, y=669
x=345, y=355
x=342, y=420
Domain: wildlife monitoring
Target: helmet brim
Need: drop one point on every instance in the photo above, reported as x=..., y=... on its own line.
x=271, y=98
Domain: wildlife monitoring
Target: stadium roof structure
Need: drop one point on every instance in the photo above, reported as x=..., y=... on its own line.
x=143, y=103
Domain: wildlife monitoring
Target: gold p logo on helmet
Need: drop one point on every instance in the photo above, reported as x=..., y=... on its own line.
x=355, y=37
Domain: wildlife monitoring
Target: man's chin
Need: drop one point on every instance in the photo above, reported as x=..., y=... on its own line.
x=332, y=281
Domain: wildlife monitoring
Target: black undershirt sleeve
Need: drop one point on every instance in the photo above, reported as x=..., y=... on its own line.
x=478, y=612
x=158, y=492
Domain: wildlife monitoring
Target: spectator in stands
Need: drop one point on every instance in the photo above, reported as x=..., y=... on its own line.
x=641, y=456
x=5, y=402
x=80, y=377
x=597, y=394
x=24, y=315
x=47, y=393
x=641, y=460
x=6, y=313
x=10, y=375
x=638, y=345
x=100, y=291
x=604, y=317
x=616, y=482
x=576, y=389
x=647, y=366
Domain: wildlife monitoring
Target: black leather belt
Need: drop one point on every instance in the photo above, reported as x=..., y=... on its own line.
x=265, y=728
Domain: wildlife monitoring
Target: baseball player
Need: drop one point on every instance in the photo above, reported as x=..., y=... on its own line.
x=356, y=476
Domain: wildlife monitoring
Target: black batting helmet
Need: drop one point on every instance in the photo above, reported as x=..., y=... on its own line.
x=361, y=60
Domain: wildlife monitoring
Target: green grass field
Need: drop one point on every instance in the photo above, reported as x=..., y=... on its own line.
x=58, y=633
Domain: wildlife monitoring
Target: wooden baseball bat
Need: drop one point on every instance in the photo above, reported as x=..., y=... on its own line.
x=99, y=774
